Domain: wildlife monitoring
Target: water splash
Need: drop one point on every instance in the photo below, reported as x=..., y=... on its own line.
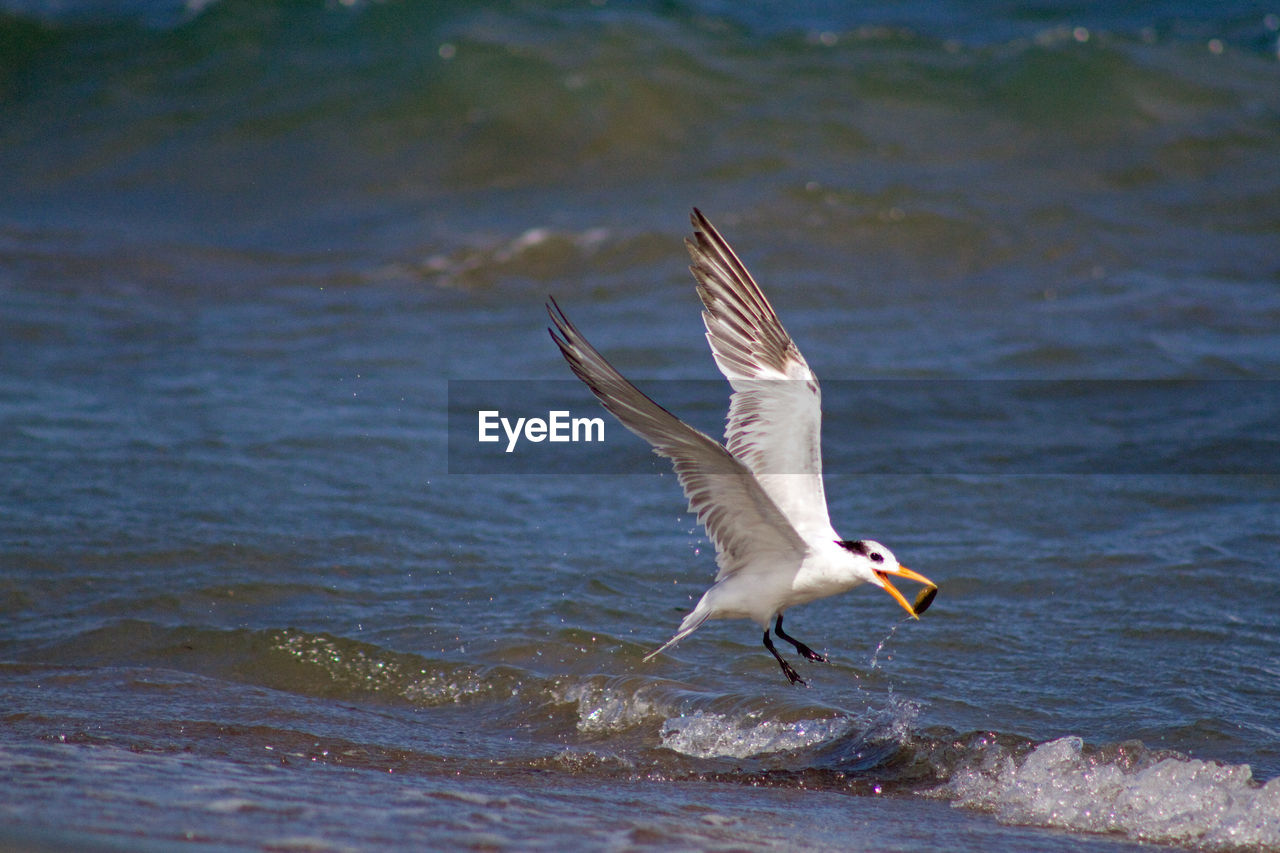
x=613, y=705
x=875, y=656
x=709, y=735
x=1143, y=794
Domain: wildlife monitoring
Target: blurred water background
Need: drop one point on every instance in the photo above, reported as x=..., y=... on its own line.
x=246, y=247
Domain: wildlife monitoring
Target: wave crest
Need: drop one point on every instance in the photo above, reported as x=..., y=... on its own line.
x=1144, y=794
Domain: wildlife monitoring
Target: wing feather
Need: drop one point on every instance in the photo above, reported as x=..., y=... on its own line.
x=743, y=522
x=775, y=413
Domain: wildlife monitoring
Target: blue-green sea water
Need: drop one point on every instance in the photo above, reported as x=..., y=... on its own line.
x=248, y=248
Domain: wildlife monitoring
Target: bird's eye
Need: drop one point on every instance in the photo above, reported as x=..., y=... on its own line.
x=877, y=557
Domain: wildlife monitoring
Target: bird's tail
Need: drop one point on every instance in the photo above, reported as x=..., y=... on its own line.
x=690, y=623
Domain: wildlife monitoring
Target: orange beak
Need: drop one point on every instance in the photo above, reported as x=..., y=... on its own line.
x=923, y=600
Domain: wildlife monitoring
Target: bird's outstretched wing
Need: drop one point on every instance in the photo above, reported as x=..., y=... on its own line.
x=775, y=413
x=746, y=527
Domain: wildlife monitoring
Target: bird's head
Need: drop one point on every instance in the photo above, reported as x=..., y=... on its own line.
x=880, y=564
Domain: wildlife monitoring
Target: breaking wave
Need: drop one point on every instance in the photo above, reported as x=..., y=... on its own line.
x=1128, y=789
x=654, y=728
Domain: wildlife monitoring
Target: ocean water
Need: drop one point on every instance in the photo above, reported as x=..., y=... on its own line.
x=251, y=253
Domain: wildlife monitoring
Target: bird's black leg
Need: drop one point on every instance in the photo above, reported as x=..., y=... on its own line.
x=800, y=647
x=786, y=667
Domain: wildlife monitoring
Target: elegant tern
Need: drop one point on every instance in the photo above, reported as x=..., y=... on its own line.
x=759, y=495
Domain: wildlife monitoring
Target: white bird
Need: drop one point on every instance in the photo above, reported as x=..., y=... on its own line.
x=759, y=495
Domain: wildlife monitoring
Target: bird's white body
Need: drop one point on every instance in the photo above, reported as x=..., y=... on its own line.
x=760, y=494
x=775, y=585
x=825, y=569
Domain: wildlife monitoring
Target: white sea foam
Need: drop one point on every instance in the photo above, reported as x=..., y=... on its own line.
x=610, y=707
x=708, y=735
x=1175, y=800
x=536, y=252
